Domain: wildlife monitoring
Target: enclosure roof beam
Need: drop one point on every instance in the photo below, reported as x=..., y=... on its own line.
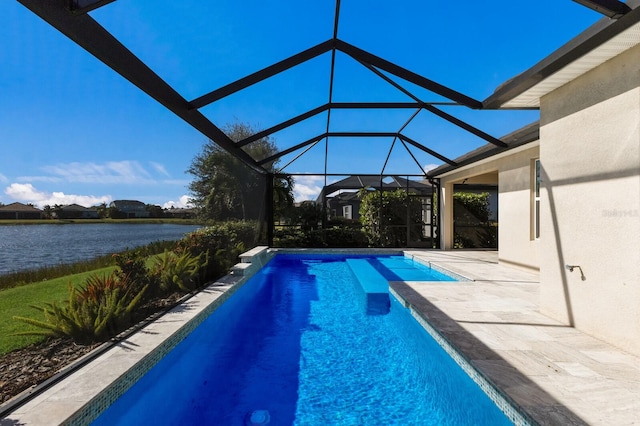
x=364, y=56
x=263, y=74
x=283, y=125
x=292, y=149
x=325, y=107
x=322, y=136
x=382, y=105
x=436, y=111
x=425, y=149
x=91, y=36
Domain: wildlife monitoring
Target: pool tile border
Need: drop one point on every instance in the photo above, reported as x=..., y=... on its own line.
x=429, y=264
x=111, y=393
x=256, y=258
x=502, y=401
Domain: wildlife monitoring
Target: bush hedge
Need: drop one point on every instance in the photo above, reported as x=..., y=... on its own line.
x=106, y=305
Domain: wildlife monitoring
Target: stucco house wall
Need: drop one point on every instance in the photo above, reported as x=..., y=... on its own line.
x=590, y=160
x=517, y=245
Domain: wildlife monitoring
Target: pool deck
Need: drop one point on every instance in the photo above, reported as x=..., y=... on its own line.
x=556, y=374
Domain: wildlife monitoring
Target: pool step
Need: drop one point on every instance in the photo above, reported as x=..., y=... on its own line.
x=374, y=285
x=251, y=261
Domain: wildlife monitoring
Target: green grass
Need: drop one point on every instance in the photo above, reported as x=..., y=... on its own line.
x=18, y=301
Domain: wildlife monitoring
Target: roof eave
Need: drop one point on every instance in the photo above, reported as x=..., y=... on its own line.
x=596, y=35
x=520, y=137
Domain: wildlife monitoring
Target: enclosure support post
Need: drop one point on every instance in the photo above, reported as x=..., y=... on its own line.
x=269, y=208
x=436, y=208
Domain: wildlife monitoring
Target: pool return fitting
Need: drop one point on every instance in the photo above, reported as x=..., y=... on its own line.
x=572, y=267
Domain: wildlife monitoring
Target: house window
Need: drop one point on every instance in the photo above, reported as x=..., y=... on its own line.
x=536, y=199
x=346, y=212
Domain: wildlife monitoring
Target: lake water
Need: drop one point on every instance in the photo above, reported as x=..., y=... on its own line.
x=25, y=247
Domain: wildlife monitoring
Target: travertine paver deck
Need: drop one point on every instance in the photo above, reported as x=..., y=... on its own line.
x=557, y=374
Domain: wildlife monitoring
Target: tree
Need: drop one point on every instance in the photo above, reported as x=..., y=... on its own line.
x=385, y=216
x=103, y=210
x=154, y=210
x=225, y=188
x=282, y=196
x=56, y=211
x=308, y=215
x=47, y=211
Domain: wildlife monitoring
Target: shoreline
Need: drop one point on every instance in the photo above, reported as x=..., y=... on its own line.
x=140, y=221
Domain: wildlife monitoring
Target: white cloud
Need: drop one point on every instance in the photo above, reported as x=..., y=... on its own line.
x=183, y=202
x=430, y=167
x=3, y=178
x=27, y=193
x=159, y=168
x=118, y=172
x=307, y=187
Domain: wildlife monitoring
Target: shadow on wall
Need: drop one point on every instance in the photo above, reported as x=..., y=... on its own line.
x=549, y=185
x=559, y=249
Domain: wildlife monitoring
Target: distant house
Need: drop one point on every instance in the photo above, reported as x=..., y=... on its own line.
x=130, y=208
x=341, y=198
x=20, y=211
x=180, y=213
x=344, y=204
x=76, y=211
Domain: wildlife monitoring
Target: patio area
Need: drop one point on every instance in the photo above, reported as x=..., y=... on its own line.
x=555, y=373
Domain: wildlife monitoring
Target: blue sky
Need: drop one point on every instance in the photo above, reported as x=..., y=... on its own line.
x=74, y=131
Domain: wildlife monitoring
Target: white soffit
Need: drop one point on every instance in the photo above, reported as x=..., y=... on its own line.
x=613, y=47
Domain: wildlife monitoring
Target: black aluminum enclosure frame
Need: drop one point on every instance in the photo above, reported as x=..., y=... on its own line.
x=70, y=17
x=91, y=36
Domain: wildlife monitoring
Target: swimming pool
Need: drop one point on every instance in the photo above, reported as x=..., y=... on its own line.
x=294, y=345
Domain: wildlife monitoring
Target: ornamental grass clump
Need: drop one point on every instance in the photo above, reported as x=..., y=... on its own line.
x=100, y=309
x=179, y=272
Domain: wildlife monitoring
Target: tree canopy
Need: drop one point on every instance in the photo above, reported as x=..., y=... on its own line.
x=224, y=188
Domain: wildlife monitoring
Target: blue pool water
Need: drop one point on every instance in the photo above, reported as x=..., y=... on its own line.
x=295, y=345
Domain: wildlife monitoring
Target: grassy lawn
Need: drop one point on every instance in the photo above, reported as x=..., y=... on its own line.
x=18, y=301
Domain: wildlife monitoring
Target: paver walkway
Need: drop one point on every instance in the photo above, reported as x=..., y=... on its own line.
x=558, y=375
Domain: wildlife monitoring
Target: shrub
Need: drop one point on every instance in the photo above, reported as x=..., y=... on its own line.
x=386, y=215
x=97, y=311
x=132, y=268
x=473, y=228
x=222, y=243
x=336, y=236
x=179, y=272
x=348, y=236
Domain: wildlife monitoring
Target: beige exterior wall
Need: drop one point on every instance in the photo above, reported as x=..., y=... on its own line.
x=590, y=157
x=512, y=172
